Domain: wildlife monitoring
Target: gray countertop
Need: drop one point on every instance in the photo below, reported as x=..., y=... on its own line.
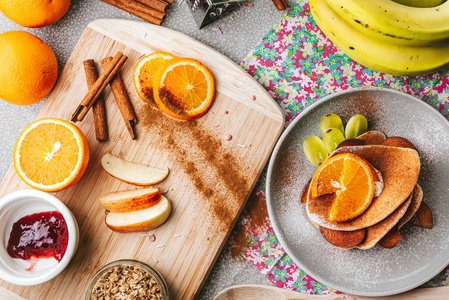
x=241, y=33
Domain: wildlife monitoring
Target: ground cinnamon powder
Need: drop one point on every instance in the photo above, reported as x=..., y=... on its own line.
x=193, y=149
x=364, y=104
x=257, y=214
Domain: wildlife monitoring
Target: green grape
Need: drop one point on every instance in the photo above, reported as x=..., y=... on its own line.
x=332, y=138
x=356, y=126
x=315, y=150
x=331, y=121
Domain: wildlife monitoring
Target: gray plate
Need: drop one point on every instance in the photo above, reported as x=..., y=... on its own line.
x=422, y=253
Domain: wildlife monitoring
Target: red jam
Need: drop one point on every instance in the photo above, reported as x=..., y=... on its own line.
x=41, y=235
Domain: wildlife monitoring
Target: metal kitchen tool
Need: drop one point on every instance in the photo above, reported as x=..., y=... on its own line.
x=207, y=11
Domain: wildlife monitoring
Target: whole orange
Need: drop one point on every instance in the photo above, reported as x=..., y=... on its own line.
x=28, y=68
x=34, y=13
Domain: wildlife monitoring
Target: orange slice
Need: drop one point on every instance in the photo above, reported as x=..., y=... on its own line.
x=144, y=71
x=184, y=88
x=51, y=154
x=351, y=179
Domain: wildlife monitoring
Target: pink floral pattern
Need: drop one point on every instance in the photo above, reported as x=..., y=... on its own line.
x=298, y=65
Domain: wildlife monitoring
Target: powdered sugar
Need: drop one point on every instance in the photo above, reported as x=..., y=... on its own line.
x=421, y=253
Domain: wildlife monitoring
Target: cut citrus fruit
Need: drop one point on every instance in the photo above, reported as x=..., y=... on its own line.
x=351, y=179
x=144, y=72
x=184, y=88
x=51, y=154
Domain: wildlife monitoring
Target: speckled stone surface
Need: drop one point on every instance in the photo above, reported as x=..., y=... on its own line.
x=241, y=34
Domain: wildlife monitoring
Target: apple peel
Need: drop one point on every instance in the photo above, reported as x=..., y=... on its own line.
x=126, y=201
x=133, y=173
x=140, y=220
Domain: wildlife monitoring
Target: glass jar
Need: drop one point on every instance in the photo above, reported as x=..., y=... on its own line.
x=134, y=263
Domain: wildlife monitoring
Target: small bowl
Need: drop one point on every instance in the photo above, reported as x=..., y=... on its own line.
x=134, y=263
x=20, y=204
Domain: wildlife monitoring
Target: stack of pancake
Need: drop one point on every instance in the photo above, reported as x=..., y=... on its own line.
x=397, y=200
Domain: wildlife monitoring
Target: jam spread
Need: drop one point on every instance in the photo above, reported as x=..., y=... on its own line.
x=41, y=235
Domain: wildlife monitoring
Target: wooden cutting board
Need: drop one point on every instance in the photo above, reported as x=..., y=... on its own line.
x=210, y=179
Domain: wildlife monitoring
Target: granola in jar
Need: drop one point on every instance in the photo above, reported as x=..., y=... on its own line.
x=126, y=282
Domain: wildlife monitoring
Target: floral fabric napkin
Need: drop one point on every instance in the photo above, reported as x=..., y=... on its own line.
x=298, y=65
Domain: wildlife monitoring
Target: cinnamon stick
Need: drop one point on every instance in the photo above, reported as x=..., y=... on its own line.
x=156, y=4
x=170, y=2
x=98, y=87
x=280, y=4
x=98, y=109
x=284, y=2
x=122, y=99
x=138, y=9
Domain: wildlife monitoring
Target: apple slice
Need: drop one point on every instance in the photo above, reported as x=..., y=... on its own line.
x=343, y=239
x=397, y=141
x=129, y=172
x=391, y=239
x=133, y=200
x=423, y=216
x=140, y=220
x=372, y=137
x=351, y=142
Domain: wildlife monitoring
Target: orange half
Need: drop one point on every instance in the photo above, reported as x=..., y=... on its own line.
x=51, y=154
x=184, y=88
x=351, y=179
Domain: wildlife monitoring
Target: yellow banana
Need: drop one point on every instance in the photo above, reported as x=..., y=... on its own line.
x=420, y=3
x=394, y=22
x=374, y=54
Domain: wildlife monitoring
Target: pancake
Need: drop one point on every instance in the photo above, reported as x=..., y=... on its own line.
x=372, y=137
x=376, y=232
x=393, y=237
x=400, y=170
x=414, y=206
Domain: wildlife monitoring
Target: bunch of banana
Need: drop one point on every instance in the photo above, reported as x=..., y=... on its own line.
x=387, y=36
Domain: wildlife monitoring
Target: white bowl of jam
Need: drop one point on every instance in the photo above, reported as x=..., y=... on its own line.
x=38, y=237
